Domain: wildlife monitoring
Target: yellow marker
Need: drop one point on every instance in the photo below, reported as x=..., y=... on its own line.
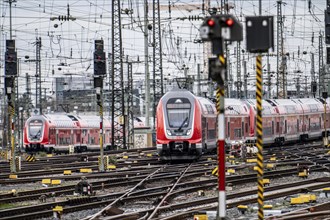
x=209, y=158
x=111, y=166
x=269, y=165
x=56, y=182
x=302, y=174
x=273, y=159
x=242, y=207
x=231, y=171
x=202, y=216
x=85, y=170
x=46, y=181
x=295, y=201
x=251, y=160
x=255, y=168
x=308, y=198
x=231, y=156
x=268, y=207
x=125, y=157
x=12, y=176
x=49, y=155
x=67, y=172
x=148, y=155
x=58, y=209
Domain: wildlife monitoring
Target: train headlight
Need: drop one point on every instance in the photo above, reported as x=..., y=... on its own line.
x=188, y=132
x=168, y=132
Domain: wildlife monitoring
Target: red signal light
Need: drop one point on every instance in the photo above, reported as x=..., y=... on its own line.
x=230, y=22
x=211, y=22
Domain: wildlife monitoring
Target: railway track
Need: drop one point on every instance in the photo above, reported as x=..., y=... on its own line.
x=140, y=183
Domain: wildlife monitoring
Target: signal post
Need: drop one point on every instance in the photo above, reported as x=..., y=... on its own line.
x=10, y=76
x=99, y=72
x=259, y=38
x=217, y=29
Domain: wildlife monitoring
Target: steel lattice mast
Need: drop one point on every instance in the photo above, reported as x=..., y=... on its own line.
x=239, y=78
x=130, y=115
x=38, y=76
x=157, y=58
x=118, y=105
x=322, y=81
x=280, y=59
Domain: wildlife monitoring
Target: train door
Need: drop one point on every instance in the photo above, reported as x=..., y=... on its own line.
x=57, y=138
x=52, y=136
x=204, y=133
x=78, y=137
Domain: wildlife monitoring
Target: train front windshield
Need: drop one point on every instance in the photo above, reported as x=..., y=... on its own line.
x=178, y=112
x=35, y=128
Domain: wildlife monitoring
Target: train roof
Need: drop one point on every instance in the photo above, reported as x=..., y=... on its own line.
x=296, y=105
x=310, y=105
x=267, y=108
x=84, y=121
x=92, y=121
x=60, y=120
x=235, y=107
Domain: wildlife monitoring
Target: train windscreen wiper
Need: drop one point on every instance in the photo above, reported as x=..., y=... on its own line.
x=38, y=134
x=184, y=121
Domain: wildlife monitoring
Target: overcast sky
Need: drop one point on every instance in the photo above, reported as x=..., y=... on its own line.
x=72, y=42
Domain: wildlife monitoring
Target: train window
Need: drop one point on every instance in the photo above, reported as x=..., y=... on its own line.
x=277, y=127
x=178, y=112
x=285, y=127
x=309, y=124
x=237, y=132
x=272, y=127
x=228, y=128
x=267, y=131
x=35, y=128
x=246, y=128
x=178, y=117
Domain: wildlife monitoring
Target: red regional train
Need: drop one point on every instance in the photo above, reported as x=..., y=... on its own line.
x=56, y=132
x=187, y=124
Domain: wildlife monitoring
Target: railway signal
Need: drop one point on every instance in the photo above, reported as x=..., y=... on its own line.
x=99, y=59
x=10, y=59
x=224, y=27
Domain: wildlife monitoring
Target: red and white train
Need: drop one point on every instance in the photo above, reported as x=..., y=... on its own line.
x=56, y=132
x=187, y=124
